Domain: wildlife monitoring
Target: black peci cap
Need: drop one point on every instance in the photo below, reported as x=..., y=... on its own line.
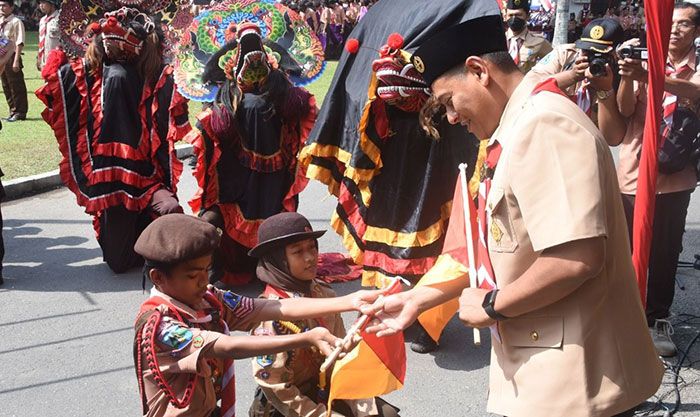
x=601, y=35
x=518, y=4
x=455, y=44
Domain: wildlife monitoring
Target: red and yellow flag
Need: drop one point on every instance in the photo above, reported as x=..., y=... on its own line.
x=453, y=263
x=375, y=367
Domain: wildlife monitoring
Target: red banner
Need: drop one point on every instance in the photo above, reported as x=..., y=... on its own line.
x=658, y=15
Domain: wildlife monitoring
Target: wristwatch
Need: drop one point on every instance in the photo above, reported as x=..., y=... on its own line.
x=488, y=303
x=602, y=95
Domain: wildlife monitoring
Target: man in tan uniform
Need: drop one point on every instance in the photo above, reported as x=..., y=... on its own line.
x=570, y=337
x=673, y=189
x=12, y=76
x=524, y=47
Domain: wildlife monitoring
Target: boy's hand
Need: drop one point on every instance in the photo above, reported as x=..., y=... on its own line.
x=323, y=340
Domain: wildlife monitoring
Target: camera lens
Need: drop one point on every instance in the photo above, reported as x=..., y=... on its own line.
x=597, y=67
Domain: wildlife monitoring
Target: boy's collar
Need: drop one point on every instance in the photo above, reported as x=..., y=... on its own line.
x=184, y=308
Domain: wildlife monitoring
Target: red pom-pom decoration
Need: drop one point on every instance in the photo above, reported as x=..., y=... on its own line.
x=395, y=41
x=95, y=28
x=112, y=21
x=352, y=45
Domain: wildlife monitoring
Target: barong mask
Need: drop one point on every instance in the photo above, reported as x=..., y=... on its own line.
x=270, y=35
x=250, y=62
x=399, y=84
x=124, y=32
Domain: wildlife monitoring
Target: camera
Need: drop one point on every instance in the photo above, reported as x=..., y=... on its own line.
x=633, y=52
x=597, y=62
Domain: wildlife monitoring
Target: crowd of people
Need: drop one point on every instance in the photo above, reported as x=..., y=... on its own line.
x=548, y=266
x=630, y=17
x=332, y=20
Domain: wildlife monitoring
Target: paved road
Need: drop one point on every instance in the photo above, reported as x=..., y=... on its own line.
x=66, y=323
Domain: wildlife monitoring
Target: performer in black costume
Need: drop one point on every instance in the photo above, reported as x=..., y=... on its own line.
x=394, y=183
x=117, y=115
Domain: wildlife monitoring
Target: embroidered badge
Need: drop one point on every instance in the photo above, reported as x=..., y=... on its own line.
x=231, y=299
x=198, y=342
x=597, y=32
x=175, y=336
x=265, y=360
x=240, y=305
x=418, y=64
x=496, y=232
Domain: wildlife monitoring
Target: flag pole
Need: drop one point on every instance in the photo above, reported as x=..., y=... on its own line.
x=470, y=241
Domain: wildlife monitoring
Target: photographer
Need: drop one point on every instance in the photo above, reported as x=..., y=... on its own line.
x=682, y=89
x=583, y=71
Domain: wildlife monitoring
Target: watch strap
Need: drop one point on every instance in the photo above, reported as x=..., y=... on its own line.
x=488, y=306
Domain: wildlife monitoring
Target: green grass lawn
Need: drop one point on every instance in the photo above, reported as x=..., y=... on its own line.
x=29, y=147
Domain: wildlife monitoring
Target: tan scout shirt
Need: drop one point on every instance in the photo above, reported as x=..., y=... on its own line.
x=49, y=26
x=532, y=49
x=589, y=354
x=289, y=380
x=12, y=28
x=179, y=348
x=628, y=167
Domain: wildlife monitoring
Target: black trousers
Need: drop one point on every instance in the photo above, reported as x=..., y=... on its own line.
x=666, y=247
x=120, y=228
x=15, y=89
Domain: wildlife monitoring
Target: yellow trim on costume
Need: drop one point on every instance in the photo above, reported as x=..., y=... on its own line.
x=359, y=176
x=376, y=279
x=348, y=240
x=413, y=239
x=325, y=176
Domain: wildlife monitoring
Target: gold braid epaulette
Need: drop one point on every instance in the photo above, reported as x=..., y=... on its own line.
x=479, y=168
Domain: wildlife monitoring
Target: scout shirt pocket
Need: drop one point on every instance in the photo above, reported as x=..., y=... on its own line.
x=533, y=332
x=501, y=234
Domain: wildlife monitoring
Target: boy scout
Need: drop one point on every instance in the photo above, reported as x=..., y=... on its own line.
x=570, y=335
x=524, y=47
x=182, y=351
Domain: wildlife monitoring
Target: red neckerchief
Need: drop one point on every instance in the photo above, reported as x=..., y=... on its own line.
x=550, y=85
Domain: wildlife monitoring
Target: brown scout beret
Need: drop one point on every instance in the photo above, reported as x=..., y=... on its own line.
x=177, y=237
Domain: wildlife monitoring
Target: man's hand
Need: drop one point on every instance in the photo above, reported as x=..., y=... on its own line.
x=580, y=67
x=322, y=339
x=15, y=66
x=392, y=314
x=603, y=82
x=632, y=69
x=471, y=312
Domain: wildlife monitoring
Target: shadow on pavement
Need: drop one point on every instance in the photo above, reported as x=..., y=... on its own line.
x=40, y=263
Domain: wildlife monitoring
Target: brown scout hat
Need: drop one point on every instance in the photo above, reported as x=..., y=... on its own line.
x=282, y=229
x=177, y=237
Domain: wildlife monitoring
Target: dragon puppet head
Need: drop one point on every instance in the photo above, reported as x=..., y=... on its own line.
x=250, y=62
x=124, y=32
x=399, y=84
